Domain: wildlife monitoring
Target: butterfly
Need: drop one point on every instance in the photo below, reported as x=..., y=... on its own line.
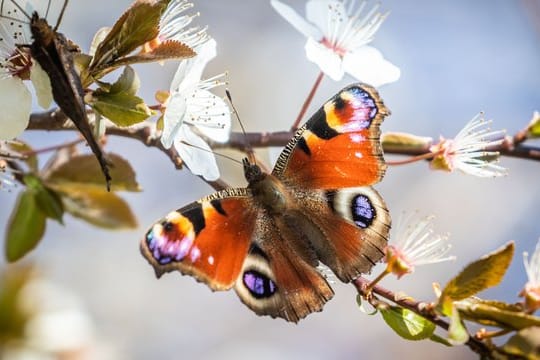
x=317, y=206
x=53, y=52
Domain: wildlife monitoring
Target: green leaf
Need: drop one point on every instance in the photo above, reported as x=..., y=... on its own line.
x=497, y=314
x=47, y=200
x=457, y=333
x=406, y=323
x=440, y=340
x=533, y=131
x=525, y=344
x=25, y=228
x=122, y=109
x=128, y=82
x=85, y=169
x=486, y=272
x=138, y=25
x=97, y=206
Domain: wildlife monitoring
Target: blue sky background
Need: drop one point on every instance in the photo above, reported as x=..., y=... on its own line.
x=457, y=58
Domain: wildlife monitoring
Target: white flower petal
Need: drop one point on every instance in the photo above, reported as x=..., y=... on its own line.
x=210, y=114
x=16, y=104
x=42, y=85
x=199, y=158
x=190, y=71
x=328, y=15
x=296, y=20
x=367, y=64
x=328, y=61
x=173, y=118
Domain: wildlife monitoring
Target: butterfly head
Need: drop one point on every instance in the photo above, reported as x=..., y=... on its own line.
x=252, y=171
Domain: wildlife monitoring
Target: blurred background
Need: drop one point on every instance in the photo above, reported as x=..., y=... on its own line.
x=456, y=57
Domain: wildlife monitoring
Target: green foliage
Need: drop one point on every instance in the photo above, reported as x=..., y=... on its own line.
x=136, y=27
x=405, y=142
x=533, y=131
x=406, y=323
x=494, y=313
x=26, y=226
x=479, y=275
x=118, y=101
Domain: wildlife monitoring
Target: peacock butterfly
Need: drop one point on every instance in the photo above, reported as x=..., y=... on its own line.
x=317, y=206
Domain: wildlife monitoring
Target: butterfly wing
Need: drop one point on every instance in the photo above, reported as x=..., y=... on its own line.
x=279, y=277
x=339, y=146
x=347, y=228
x=333, y=154
x=208, y=239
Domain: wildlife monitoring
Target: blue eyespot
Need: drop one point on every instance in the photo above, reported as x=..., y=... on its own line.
x=362, y=211
x=259, y=285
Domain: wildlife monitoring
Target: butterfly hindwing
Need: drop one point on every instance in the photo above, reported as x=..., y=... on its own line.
x=356, y=224
x=208, y=239
x=279, y=277
x=339, y=146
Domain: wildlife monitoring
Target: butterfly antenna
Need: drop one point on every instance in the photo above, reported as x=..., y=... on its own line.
x=249, y=149
x=61, y=14
x=48, y=8
x=20, y=9
x=215, y=153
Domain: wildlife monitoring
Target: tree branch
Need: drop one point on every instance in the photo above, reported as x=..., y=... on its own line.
x=421, y=308
x=144, y=132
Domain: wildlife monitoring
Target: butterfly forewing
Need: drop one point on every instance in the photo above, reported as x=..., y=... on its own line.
x=339, y=146
x=208, y=239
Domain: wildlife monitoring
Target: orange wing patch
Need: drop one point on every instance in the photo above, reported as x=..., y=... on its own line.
x=339, y=146
x=208, y=239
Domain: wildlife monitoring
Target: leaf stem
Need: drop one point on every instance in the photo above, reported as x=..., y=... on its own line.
x=307, y=102
x=426, y=156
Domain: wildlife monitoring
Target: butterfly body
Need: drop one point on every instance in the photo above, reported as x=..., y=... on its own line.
x=52, y=51
x=316, y=207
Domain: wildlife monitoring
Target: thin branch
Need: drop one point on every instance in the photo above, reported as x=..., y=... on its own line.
x=144, y=132
x=421, y=308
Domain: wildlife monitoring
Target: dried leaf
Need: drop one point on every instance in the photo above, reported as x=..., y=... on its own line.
x=84, y=169
x=169, y=50
x=96, y=206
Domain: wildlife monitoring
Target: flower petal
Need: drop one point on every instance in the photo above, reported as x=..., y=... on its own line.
x=173, y=118
x=42, y=85
x=190, y=71
x=199, y=158
x=328, y=61
x=368, y=65
x=327, y=15
x=16, y=104
x=296, y=20
x=211, y=115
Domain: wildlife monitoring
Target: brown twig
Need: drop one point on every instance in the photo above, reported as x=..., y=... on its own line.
x=421, y=308
x=307, y=101
x=144, y=132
